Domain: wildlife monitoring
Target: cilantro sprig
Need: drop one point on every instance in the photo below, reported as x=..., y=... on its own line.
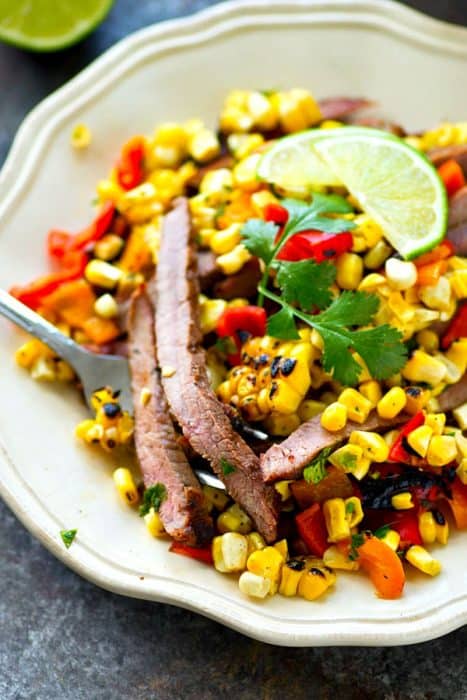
x=305, y=287
x=316, y=470
x=153, y=498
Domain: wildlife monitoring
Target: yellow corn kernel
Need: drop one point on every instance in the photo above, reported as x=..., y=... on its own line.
x=234, y=260
x=226, y=240
x=337, y=524
x=334, y=417
x=424, y=368
x=314, y=582
x=373, y=445
x=268, y=563
x=377, y=256
x=216, y=184
x=392, y=539
x=255, y=541
x=242, y=145
x=358, y=407
x=215, y=497
x=458, y=282
x=309, y=409
x=461, y=442
x=401, y=275
x=282, y=548
x=371, y=390
x=203, y=145
x=284, y=398
x=102, y=274
x=262, y=109
x=349, y=270
x=291, y=574
x=244, y=173
x=461, y=470
x=297, y=110
x=43, y=370
x=81, y=136
x=419, y=439
x=422, y=560
x=234, y=519
x=350, y=459
x=27, y=354
x=335, y=559
x=261, y=199
x=63, y=371
x=390, y=437
x=437, y=296
x=282, y=488
x=105, y=306
x=210, y=311
x=109, y=247
x=460, y=414
x=126, y=487
x=353, y=511
x=392, y=403
x=402, y=501
x=453, y=372
x=428, y=340
x=253, y=585
x=230, y=552
x=154, y=523
x=371, y=282
x=457, y=354
x=436, y=421
x=369, y=229
x=441, y=450
x=83, y=428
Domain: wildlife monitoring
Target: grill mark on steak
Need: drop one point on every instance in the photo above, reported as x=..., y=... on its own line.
x=288, y=459
x=192, y=401
x=162, y=460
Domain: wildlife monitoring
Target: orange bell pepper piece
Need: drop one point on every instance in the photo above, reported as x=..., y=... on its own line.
x=428, y=275
x=73, y=302
x=101, y=330
x=458, y=503
x=452, y=175
x=441, y=252
x=383, y=566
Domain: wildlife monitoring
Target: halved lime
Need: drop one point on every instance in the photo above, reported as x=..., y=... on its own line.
x=395, y=184
x=48, y=25
x=293, y=162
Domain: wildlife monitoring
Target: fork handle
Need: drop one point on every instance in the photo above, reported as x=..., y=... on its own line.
x=37, y=326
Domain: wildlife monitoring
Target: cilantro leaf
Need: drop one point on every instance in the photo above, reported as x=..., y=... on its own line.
x=227, y=467
x=382, y=350
x=316, y=470
x=356, y=541
x=307, y=283
x=152, y=498
x=382, y=531
x=337, y=358
x=67, y=537
x=351, y=309
x=304, y=216
x=258, y=238
x=282, y=325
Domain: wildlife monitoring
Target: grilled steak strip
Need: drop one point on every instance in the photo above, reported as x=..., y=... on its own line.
x=192, y=401
x=340, y=107
x=288, y=459
x=162, y=460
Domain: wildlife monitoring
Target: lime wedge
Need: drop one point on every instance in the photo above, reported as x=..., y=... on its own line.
x=395, y=184
x=48, y=25
x=293, y=162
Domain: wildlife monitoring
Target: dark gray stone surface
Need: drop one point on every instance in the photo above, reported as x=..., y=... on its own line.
x=62, y=638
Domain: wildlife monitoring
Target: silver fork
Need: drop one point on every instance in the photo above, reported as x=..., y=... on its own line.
x=94, y=371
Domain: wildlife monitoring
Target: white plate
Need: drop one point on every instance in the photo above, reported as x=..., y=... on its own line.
x=416, y=68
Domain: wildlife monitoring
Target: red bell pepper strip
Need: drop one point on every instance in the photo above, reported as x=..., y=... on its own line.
x=428, y=275
x=457, y=328
x=249, y=319
x=311, y=527
x=441, y=252
x=452, y=175
x=398, y=453
x=316, y=245
x=60, y=243
x=276, y=213
x=130, y=166
x=203, y=554
x=33, y=293
x=406, y=524
x=458, y=503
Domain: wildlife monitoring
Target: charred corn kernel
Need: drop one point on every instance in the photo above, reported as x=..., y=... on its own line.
x=230, y=552
x=400, y=274
x=314, y=582
x=461, y=470
x=460, y=414
x=351, y=460
x=334, y=417
x=234, y=519
x=457, y=354
x=458, y=282
x=309, y=408
x=358, y=407
x=424, y=368
x=224, y=241
x=349, y=270
x=436, y=421
x=253, y=585
x=422, y=560
x=81, y=136
x=42, y=370
x=377, y=256
x=101, y=396
x=210, y=311
x=281, y=424
x=83, y=428
x=369, y=229
x=416, y=399
x=297, y=110
x=419, y=439
x=291, y=574
x=102, y=274
x=371, y=282
x=337, y=524
x=353, y=511
x=392, y=539
x=109, y=247
x=441, y=450
x=215, y=497
x=126, y=487
x=255, y=541
x=282, y=548
x=105, y=306
x=282, y=488
x=233, y=261
x=203, y=145
x=244, y=173
x=284, y=398
x=335, y=559
x=373, y=445
x=371, y=390
x=402, y=501
x=154, y=523
x=242, y=145
x=392, y=403
x=267, y=562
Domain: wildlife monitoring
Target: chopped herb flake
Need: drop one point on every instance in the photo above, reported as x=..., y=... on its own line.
x=226, y=467
x=316, y=470
x=382, y=531
x=67, y=537
x=350, y=508
x=152, y=498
